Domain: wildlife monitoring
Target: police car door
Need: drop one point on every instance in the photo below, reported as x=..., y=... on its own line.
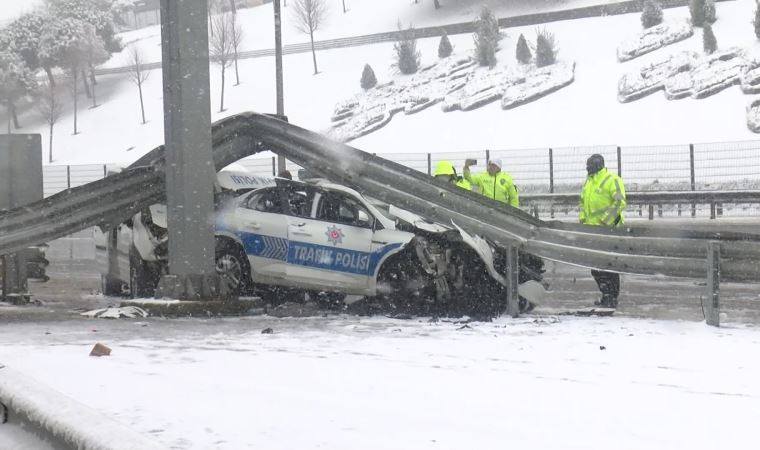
x=261, y=226
x=332, y=249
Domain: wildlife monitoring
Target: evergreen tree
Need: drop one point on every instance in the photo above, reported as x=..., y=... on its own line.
x=486, y=37
x=546, y=48
x=523, y=51
x=697, y=11
x=407, y=55
x=708, y=38
x=444, y=47
x=651, y=14
x=368, y=80
x=710, y=11
x=756, y=22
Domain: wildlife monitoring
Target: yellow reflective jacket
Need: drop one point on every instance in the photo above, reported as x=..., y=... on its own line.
x=602, y=199
x=498, y=187
x=462, y=183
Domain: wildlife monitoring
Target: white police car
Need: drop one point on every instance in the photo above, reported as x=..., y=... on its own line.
x=282, y=238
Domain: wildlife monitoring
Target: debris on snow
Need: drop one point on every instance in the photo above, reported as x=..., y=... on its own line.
x=654, y=38
x=100, y=350
x=128, y=312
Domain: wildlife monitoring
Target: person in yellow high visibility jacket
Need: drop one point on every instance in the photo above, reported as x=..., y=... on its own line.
x=494, y=182
x=444, y=170
x=602, y=203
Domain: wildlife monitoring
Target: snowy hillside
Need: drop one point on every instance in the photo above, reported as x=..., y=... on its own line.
x=587, y=112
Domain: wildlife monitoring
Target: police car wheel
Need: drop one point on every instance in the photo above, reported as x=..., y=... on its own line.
x=232, y=266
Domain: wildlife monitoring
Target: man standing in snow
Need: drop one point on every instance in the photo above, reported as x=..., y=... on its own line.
x=602, y=203
x=493, y=183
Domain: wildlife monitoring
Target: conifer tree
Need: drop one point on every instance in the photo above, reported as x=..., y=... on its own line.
x=368, y=80
x=708, y=38
x=523, y=51
x=444, y=46
x=651, y=14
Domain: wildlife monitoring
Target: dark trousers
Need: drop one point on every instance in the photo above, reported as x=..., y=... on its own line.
x=608, y=282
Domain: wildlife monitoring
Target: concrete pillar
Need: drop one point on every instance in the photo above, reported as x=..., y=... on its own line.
x=190, y=170
x=20, y=184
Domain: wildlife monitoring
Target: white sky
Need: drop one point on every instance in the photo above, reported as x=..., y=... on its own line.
x=10, y=9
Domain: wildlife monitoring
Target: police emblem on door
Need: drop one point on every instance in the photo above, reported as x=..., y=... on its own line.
x=334, y=235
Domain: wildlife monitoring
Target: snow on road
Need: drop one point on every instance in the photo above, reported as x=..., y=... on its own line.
x=345, y=382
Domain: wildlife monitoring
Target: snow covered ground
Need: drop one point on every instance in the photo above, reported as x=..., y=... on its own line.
x=585, y=113
x=345, y=383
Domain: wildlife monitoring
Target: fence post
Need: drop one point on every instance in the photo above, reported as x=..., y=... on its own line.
x=430, y=164
x=512, y=272
x=274, y=166
x=488, y=156
x=693, y=179
x=711, y=304
x=551, y=171
x=105, y=171
x=68, y=176
x=620, y=161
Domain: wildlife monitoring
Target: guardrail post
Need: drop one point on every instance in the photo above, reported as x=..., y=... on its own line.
x=711, y=304
x=551, y=171
x=693, y=179
x=513, y=269
x=430, y=164
x=68, y=176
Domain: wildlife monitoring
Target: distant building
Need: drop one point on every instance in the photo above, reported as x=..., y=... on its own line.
x=144, y=13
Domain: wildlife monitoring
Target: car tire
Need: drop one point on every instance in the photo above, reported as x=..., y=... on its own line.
x=110, y=286
x=142, y=281
x=328, y=299
x=233, y=267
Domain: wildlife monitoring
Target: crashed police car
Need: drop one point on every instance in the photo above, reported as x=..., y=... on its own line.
x=291, y=240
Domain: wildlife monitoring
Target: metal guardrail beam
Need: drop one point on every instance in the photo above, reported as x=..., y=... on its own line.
x=648, y=251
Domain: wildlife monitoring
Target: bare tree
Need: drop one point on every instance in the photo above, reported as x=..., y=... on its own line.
x=74, y=72
x=237, y=39
x=50, y=107
x=309, y=16
x=221, y=50
x=138, y=74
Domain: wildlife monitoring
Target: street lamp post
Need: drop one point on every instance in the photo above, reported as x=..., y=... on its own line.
x=278, y=72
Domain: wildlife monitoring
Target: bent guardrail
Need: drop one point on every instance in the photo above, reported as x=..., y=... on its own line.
x=650, y=251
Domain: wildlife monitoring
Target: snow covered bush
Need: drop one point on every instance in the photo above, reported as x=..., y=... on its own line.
x=708, y=38
x=546, y=48
x=368, y=80
x=697, y=11
x=444, y=46
x=486, y=37
x=651, y=14
x=523, y=51
x=650, y=39
x=407, y=55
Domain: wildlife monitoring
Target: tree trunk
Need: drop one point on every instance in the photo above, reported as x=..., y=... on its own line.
x=86, y=85
x=437, y=5
x=92, y=83
x=74, y=87
x=50, y=145
x=51, y=79
x=142, y=106
x=233, y=8
x=16, y=125
x=344, y=6
x=9, y=117
x=221, y=101
x=237, y=74
x=313, y=52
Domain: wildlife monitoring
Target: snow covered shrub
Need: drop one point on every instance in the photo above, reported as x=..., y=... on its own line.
x=546, y=48
x=756, y=22
x=652, y=14
x=710, y=11
x=523, y=52
x=708, y=38
x=486, y=37
x=444, y=47
x=697, y=11
x=368, y=77
x=407, y=55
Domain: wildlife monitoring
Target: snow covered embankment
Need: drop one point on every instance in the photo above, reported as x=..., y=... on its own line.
x=654, y=38
x=456, y=82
